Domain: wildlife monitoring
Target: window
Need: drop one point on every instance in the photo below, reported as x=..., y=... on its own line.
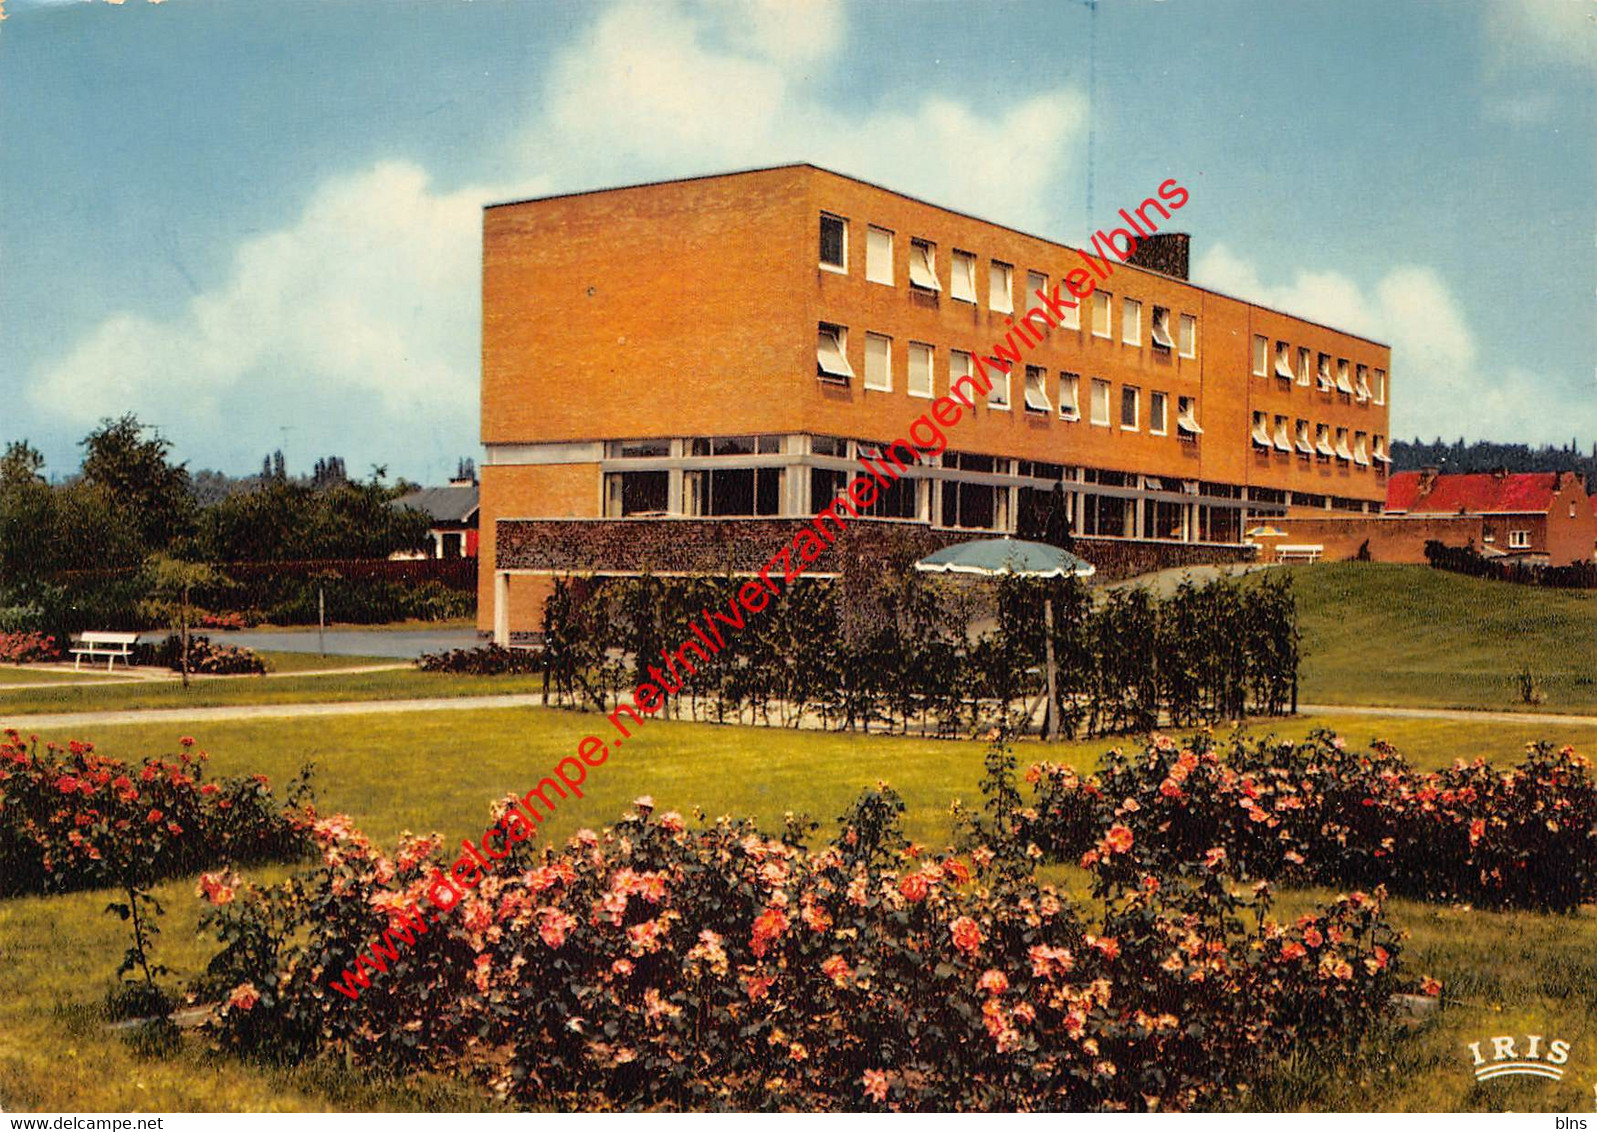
x=1361, y=455
x=1342, y=451
x=1069, y=394
x=1322, y=442
x=1000, y=288
x=1519, y=540
x=1305, y=445
x=732, y=491
x=879, y=256
x=1303, y=365
x=920, y=370
x=1037, y=390
x=834, y=243
x=1189, y=336
x=1102, y=304
x=1380, y=387
x=960, y=366
x=1158, y=414
x=879, y=362
x=977, y=506
x=831, y=354
x=1283, y=361
x=1283, y=434
x=1071, y=319
x=1344, y=384
x=1100, y=402
x=923, y=266
x=1187, y=418
x=1128, y=407
x=1361, y=388
x=998, y=395
x=1035, y=282
x=1378, y=451
x=1261, y=355
x=636, y=493
x=962, y=278
x=1326, y=384
x=1131, y=322
x=636, y=449
x=1261, y=430
x=1160, y=330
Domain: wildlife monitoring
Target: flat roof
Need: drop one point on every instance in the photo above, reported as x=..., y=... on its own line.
x=929, y=204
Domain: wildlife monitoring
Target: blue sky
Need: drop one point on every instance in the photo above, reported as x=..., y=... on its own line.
x=256, y=223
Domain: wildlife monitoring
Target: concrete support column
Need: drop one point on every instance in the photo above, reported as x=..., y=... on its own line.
x=501, y=609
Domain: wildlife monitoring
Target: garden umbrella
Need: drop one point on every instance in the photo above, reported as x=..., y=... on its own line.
x=1023, y=559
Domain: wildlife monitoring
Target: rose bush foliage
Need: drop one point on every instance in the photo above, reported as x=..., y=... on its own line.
x=656, y=964
x=28, y=647
x=71, y=818
x=1318, y=813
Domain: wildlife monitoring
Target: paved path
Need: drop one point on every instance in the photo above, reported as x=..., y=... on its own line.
x=163, y=676
x=1451, y=713
x=534, y=699
x=400, y=644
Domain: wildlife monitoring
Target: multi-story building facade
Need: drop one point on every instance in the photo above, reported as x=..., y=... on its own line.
x=661, y=357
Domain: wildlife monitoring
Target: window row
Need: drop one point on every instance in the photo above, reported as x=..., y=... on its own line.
x=1358, y=383
x=1326, y=444
x=963, y=286
x=832, y=364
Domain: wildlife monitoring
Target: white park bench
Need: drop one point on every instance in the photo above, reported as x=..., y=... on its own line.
x=108, y=645
x=1308, y=552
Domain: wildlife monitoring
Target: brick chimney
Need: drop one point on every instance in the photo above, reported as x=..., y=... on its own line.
x=1164, y=252
x=1428, y=480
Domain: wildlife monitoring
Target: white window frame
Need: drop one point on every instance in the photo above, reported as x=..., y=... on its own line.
x=1072, y=314
x=998, y=397
x=1107, y=420
x=1105, y=302
x=1282, y=434
x=1035, y=281
x=1187, y=416
x=1519, y=540
x=914, y=350
x=1305, y=376
x=1136, y=408
x=962, y=276
x=1158, y=413
x=1002, y=301
x=960, y=364
x=1259, y=434
x=1361, y=383
x=1380, y=387
x=887, y=366
x=1323, y=373
x=832, y=267
x=1261, y=355
x=1130, y=322
x=1040, y=404
x=839, y=339
x=1322, y=442
x=1283, y=360
x=1160, y=326
x=873, y=260
x=1305, y=444
x=1344, y=377
x=1072, y=382
x=923, y=255
x=1187, y=336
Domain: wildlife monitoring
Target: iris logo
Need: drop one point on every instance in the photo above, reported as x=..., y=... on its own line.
x=1507, y=1061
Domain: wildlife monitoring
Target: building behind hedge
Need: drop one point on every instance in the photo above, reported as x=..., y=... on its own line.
x=673, y=371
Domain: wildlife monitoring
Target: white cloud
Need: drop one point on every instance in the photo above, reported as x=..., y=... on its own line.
x=357, y=323
x=1438, y=383
x=1533, y=108
x=1532, y=32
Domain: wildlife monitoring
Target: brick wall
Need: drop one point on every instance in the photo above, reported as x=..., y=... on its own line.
x=1392, y=538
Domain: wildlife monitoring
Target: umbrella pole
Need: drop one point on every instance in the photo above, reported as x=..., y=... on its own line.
x=1048, y=652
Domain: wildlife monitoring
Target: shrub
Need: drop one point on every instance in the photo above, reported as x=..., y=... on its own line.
x=23, y=648
x=1315, y=812
x=205, y=659
x=488, y=660
x=223, y=621
x=71, y=818
x=656, y=966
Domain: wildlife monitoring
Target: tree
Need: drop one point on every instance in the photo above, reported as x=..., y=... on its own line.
x=137, y=475
x=172, y=581
x=21, y=464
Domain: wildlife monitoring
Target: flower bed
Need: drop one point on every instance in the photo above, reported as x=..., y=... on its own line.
x=205, y=659
x=653, y=965
x=74, y=819
x=488, y=660
x=26, y=648
x=1317, y=813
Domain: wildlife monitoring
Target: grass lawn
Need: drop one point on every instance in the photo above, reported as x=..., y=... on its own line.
x=1510, y=973
x=1414, y=636
x=24, y=674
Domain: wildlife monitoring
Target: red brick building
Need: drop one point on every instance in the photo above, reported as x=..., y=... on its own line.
x=1534, y=517
x=668, y=365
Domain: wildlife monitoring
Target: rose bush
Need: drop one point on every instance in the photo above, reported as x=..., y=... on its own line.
x=658, y=965
x=1318, y=813
x=30, y=647
x=71, y=818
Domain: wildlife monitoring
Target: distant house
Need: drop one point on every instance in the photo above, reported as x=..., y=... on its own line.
x=1534, y=517
x=453, y=511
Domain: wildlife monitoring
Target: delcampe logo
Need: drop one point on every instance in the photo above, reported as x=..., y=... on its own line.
x=1506, y=1060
